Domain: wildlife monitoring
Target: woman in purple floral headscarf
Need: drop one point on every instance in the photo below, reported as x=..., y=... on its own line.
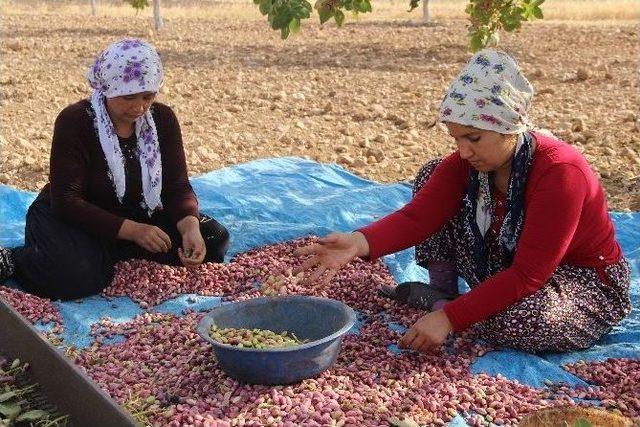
x=118, y=186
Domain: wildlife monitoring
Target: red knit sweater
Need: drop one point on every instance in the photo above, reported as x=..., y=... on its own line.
x=566, y=222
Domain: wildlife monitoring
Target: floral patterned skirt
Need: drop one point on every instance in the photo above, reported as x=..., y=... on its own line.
x=575, y=308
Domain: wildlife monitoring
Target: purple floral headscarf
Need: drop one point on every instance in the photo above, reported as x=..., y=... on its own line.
x=129, y=67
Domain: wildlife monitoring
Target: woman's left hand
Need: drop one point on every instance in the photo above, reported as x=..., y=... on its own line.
x=193, y=249
x=428, y=333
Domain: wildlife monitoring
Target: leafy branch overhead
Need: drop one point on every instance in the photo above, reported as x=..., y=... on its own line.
x=487, y=17
x=138, y=5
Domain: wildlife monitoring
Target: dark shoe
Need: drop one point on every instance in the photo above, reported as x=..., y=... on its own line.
x=415, y=294
x=6, y=264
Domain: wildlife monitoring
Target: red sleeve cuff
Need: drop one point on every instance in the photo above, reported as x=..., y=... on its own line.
x=455, y=313
x=370, y=234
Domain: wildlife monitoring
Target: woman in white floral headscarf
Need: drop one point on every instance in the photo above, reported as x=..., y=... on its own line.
x=518, y=214
x=118, y=186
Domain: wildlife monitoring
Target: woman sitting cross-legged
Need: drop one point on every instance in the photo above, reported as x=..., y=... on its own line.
x=517, y=213
x=118, y=187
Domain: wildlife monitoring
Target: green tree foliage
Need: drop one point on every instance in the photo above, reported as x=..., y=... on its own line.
x=138, y=5
x=487, y=17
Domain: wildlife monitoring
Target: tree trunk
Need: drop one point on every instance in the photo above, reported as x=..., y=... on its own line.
x=93, y=7
x=425, y=11
x=156, y=14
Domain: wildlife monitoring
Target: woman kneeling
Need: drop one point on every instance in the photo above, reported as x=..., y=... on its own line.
x=118, y=186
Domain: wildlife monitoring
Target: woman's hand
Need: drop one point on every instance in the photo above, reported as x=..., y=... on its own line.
x=331, y=253
x=193, y=249
x=428, y=333
x=147, y=236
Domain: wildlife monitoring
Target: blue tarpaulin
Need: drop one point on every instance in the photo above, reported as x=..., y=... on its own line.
x=273, y=200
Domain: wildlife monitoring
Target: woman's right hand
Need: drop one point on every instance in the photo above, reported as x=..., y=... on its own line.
x=147, y=236
x=331, y=253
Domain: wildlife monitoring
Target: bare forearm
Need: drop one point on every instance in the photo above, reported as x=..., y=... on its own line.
x=127, y=230
x=187, y=224
x=361, y=243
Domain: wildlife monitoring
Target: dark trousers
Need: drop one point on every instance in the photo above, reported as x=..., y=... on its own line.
x=59, y=261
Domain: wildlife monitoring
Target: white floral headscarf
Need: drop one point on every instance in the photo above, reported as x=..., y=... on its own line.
x=490, y=93
x=129, y=67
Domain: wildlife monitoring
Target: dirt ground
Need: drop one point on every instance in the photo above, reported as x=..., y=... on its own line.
x=364, y=96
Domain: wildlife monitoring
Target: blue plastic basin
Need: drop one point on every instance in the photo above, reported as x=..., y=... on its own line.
x=322, y=321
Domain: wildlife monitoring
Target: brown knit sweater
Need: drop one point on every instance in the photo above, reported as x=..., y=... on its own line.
x=79, y=190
